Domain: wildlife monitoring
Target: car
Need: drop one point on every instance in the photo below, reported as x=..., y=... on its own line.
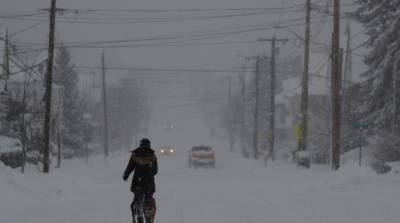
x=201, y=156
x=167, y=150
x=169, y=127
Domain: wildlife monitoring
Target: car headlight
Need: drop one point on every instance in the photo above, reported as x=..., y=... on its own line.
x=171, y=150
x=162, y=151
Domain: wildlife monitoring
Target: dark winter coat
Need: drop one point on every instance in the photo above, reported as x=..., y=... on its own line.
x=143, y=162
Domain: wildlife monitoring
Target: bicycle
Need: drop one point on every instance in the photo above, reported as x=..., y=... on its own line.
x=143, y=209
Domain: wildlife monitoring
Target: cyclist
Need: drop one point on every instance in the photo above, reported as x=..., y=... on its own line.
x=143, y=162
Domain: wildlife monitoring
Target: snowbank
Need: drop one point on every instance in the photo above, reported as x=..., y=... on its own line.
x=367, y=154
x=395, y=167
x=9, y=145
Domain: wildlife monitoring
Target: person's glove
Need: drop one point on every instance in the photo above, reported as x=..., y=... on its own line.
x=125, y=177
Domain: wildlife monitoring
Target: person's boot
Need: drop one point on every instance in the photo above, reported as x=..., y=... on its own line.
x=151, y=209
x=133, y=211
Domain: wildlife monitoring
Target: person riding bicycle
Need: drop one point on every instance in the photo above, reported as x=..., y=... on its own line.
x=143, y=162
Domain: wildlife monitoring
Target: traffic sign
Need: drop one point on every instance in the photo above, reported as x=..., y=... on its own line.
x=360, y=126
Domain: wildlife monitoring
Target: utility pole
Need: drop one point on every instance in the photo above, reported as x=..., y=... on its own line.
x=255, y=125
x=58, y=123
x=6, y=61
x=105, y=118
x=137, y=122
x=302, y=146
x=336, y=80
x=271, y=152
x=394, y=95
x=23, y=125
x=230, y=114
x=256, y=103
x=49, y=79
x=271, y=135
x=243, y=113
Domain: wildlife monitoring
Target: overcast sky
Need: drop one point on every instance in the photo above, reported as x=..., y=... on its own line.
x=200, y=56
x=88, y=27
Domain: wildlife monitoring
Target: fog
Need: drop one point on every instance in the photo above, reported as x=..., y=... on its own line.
x=202, y=52
x=192, y=97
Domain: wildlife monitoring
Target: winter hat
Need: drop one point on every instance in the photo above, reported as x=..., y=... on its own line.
x=145, y=143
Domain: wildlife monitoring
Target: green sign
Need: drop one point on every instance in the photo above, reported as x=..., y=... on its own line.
x=360, y=126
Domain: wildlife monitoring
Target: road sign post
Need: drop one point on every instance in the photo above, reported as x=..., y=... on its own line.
x=360, y=127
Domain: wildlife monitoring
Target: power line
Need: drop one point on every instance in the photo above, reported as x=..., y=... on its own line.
x=198, y=33
x=26, y=69
x=191, y=70
x=172, y=10
x=18, y=16
x=180, y=10
x=161, y=108
x=183, y=36
x=27, y=28
x=127, y=20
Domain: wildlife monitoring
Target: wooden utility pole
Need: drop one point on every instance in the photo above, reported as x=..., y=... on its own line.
x=58, y=123
x=271, y=134
x=336, y=82
x=6, y=61
x=49, y=79
x=23, y=125
x=302, y=146
x=256, y=103
x=394, y=111
x=255, y=125
x=230, y=114
x=243, y=113
x=105, y=118
x=137, y=122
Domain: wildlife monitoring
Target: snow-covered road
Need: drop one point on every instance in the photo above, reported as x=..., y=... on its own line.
x=237, y=191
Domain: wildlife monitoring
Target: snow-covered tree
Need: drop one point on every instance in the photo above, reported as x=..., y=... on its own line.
x=66, y=77
x=381, y=19
x=231, y=114
x=127, y=114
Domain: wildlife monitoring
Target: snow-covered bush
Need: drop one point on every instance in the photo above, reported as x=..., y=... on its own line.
x=32, y=157
x=379, y=167
x=10, y=152
x=388, y=148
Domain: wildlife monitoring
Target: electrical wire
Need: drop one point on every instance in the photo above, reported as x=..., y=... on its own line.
x=19, y=16
x=183, y=70
x=181, y=37
x=27, y=28
x=125, y=20
x=182, y=10
x=271, y=25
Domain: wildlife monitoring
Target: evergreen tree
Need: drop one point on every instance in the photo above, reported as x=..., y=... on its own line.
x=382, y=22
x=66, y=78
